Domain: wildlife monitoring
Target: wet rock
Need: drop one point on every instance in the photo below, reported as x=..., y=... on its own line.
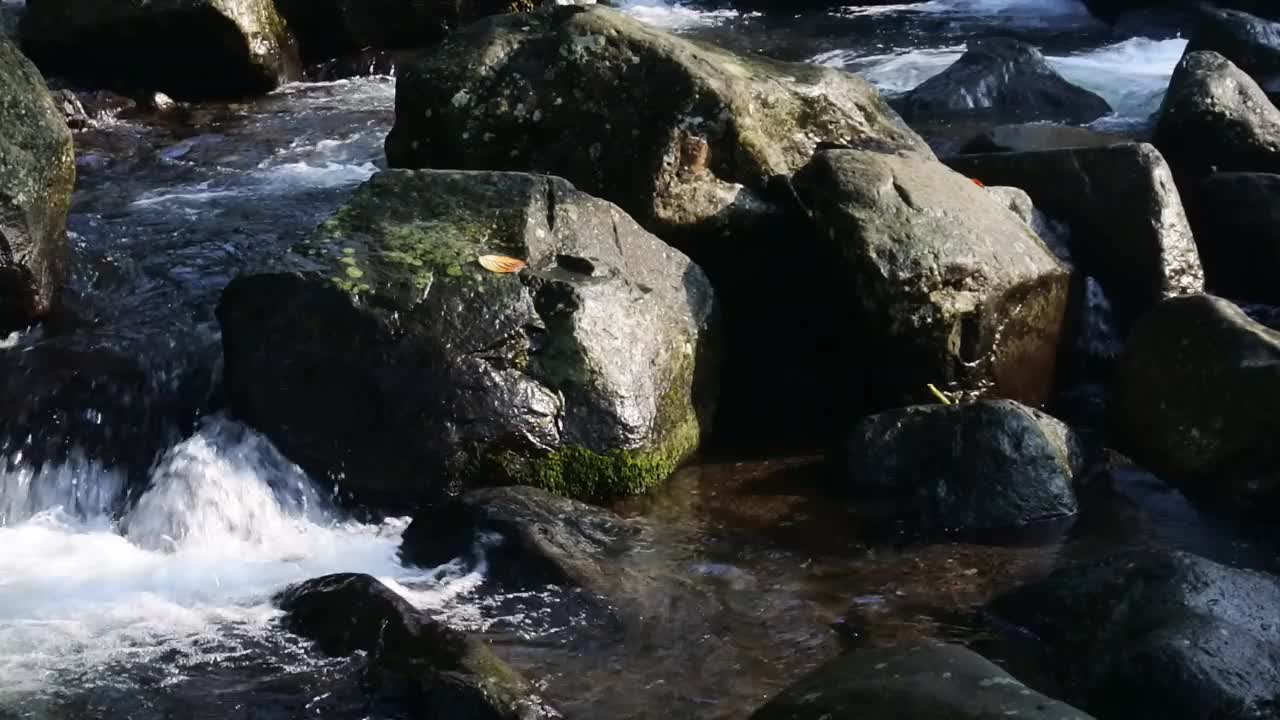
x=1157, y=634
x=921, y=681
x=359, y=64
x=1054, y=234
x=947, y=286
x=328, y=29
x=987, y=465
x=694, y=142
x=591, y=373
x=1128, y=225
x=1216, y=118
x=542, y=538
x=1194, y=398
x=440, y=672
x=189, y=49
x=38, y=164
x=1029, y=137
x=1001, y=80
x=1237, y=223
x=68, y=401
x=1250, y=42
x=683, y=136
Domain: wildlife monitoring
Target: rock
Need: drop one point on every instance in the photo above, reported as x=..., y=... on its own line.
x=542, y=539
x=327, y=29
x=591, y=373
x=1054, y=234
x=1193, y=400
x=683, y=136
x=989, y=465
x=1155, y=633
x=946, y=285
x=694, y=142
x=37, y=174
x=189, y=49
x=920, y=681
x=70, y=399
x=1001, y=80
x=1216, y=118
x=1037, y=136
x=1250, y=42
x=1237, y=223
x=445, y=673
x=1128, y=225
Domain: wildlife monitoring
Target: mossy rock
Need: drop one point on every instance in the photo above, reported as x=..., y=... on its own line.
x=37, y=174
x=684, y=136
x=398, y=365
x=189, y=49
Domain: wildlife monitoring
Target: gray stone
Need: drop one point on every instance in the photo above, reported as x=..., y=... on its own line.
x=1194, y=399
x=37, y=174
x=947, y=285
x=988, y=465
x=923, y=681
x=1216, y=118
x=1237, y=224
x=1128, y=225
x=401, y=367
x=185, y=48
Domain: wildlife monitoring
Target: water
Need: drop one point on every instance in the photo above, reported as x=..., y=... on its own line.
x=143, y=533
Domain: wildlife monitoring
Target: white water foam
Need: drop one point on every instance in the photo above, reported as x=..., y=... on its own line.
x=1131, y=75
x=673, y=16
x=189, y=571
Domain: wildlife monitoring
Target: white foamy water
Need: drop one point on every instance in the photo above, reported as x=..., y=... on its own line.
x=189, y=571
x=1132, y=75
x=672, y=16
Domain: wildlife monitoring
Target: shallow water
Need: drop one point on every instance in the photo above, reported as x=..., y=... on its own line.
x=156, y=604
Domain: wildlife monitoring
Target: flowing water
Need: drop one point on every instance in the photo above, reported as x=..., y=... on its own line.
x=143, y=533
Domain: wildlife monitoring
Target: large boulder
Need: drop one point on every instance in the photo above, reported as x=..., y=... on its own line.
x=402, y=367
x=443, y=672
x=186, y=48
x=1237, y=223
x=946, y=285
x=692, y=141
x=1157, y=634
x=989, y=465
x=1216, y=118
x=920, y=681
x=683, y=136
x=1128, y=225
x=1000, y=80
x=1250, y=42
x=1194, y=399
x=37, y=173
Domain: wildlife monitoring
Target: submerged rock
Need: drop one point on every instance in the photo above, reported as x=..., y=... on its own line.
x=1028, y=137
x=443, y=673
x=1216, y=118
x=947, y=285
x=1237, y=223
x=988, y=465
x=38, y=164
x=1157, y=634
x=681, y=135
x=1128, y=225
x=921, y=681
x=403, y=368
x=186, y=48
x=1194, y=399
x=542, y=539
x=1001, y=80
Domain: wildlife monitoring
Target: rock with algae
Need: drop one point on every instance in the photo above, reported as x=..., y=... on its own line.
x=402, y=368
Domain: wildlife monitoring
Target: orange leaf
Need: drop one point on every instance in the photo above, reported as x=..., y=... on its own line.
x=977, y=182
x=501, y=263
